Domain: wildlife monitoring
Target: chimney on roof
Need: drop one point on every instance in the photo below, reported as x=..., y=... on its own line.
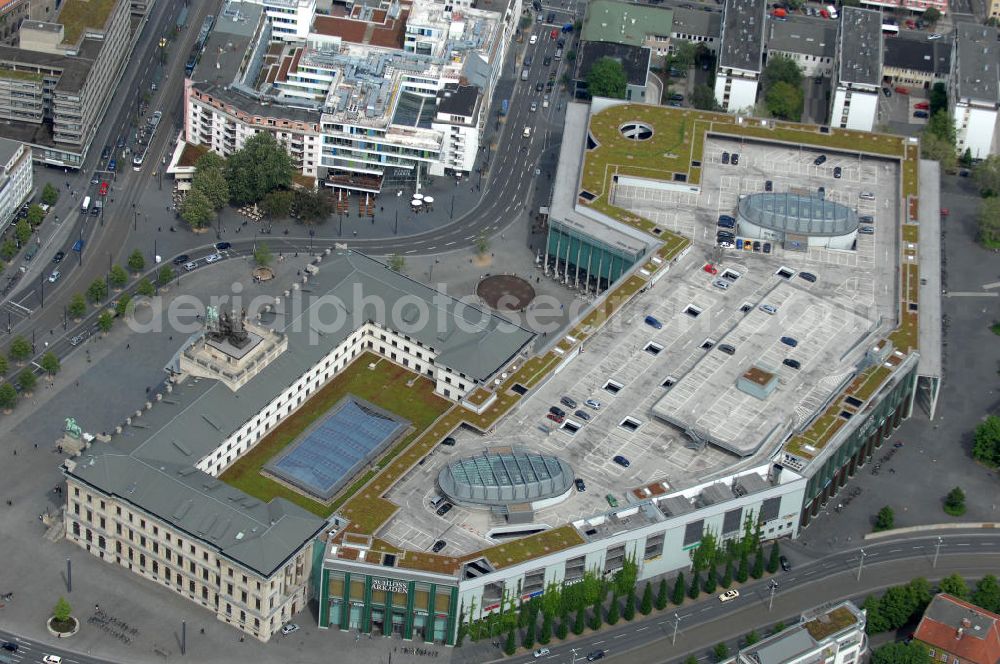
x=966, y=623
x=959, y=632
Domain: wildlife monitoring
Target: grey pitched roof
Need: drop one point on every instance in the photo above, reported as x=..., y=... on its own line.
x=152, y=466
x=818, y=38
x=978, y=62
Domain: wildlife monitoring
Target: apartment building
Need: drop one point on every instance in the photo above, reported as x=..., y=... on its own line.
x=827, y=635
x=697, y=27
x=458, y=115
x=16, y=179
x=741, y=56
x=974, y=94
x=56, y=85
x=290, y=19
x=857, y=69
x=355, y=100
x=908, y=5
x=958, y=631
x=628, y=24
x=916, y=63
x=811, y=44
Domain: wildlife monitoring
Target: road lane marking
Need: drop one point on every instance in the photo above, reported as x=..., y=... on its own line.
x=618, y=636
x=597, y=643
x=639, y=629
x=894, y=550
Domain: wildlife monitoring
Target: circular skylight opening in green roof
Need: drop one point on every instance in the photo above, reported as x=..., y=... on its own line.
x=636, y=131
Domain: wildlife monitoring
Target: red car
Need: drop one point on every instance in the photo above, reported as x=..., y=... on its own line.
x=711, y=269
x=903, y=91
x=104, y=189
x=554, y=34
x=923, y=106
x=555, y=418
x=911, y=24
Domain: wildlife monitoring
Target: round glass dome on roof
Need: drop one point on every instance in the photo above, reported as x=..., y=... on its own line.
x=500, y=476
x=798, y=213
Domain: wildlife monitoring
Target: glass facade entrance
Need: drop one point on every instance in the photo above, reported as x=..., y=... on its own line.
x=383, y=606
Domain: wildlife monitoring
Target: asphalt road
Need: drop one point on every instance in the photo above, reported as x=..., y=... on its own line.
x=832, y=578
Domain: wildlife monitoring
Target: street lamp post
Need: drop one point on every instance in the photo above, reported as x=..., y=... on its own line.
x=395, y=227
x=937, y=551
x=573, y=650
x=861, y=563
x=772, y=585
x=677, y=622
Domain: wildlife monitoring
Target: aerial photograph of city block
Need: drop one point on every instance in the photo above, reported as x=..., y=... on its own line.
x=480, y=331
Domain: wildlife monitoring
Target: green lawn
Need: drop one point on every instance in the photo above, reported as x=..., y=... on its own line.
x=385, y=386
x=80, y=15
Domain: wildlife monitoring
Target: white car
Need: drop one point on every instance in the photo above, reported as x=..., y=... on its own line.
x=289, y=628
x=533, y=40
x=867, y=195
x=190, y=266
x=769, y=309
x=211, y=258
x=54, y=277
x=52, y=659
x=729, y=595
x=721, y=284
x=541, y=652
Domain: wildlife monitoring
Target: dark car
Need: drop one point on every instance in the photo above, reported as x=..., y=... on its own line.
x=121, y=141
x=790, y=341
x=560, y=43
x=727, y=349
x=837, y=172
x=539, y=86
x=676, y=97
x=106, y=152
x=921, y=114
x=785, y=565
x=725, y=221
x=767, y=247
x=180, y=260
x=735, y=159
x=9, y=646
x=59, y=256
x=547, y=61
x=438, y=545
x=568, y=402
x=768, y=186
x=820, y=160
x=222, y=246
x=594, y=656
x=528, y=60
x=789, y=362
x=725, y=157
x=621, y=461
x=808, y=276
x=887, y=92
x=580, y=485
x=756, y=245
x=557, y=411
x=822, y=192
x=653, y=322
x=444, y=509
x=551, y=18
x=449, y=441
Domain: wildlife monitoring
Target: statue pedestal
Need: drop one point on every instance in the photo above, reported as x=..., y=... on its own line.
x=71, y=446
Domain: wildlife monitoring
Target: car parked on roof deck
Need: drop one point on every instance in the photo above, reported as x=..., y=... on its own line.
x=438, y=545
x=808, y=276
x=583, y=415
x=593, y=403
x=580, y=485
x=768, y=309
x=790, y=341
x=621, y=461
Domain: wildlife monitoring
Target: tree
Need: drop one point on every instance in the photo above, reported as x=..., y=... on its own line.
x=678, y=595
x=778, y=627
x=98, y=290
x=312, y=206
x=876, y=621
x=596, y=617
x=212, y=183
x=703, y=98
x=260, y=167
x=35, y=215
x=77, y=306
x=27, y=380
x=932, y=15
x=941, y=125
x=8, y=249
x=529, y=636
x=580, y=623
x=164, y=276
x=781, y=69
x=614, y=611
x=727, y=576
x=752, y=637
x=661, y=596
x=105, y=321
x=629, y=613
x=954, y=502
x=278, y=204
x=3, y=366
x=196, y=209
x=966, y=158
x=62, y=610
x=986, y=175
x=694, y=589
x=646, y=607
x=20, y=349
x=743, y=571
x=757, y=570
x=938, y=98
x=262, y=255
x=121, y=305
x=136, y=261
x=987, y=594
x=562, y=630
x=396, y=263
x=885, y=519
x=774, y=559
x=936, y=148
x=545, y=635
x=711, y=579
x=955, y=586
x=989, y=224
x=511, y=646
x=913, y=652
x=720, y=651
x=22, y=231
x=683, y=55
x=8, y=396
x=146, y=287
x=607, y=78
x=118, y=276
x=50, y=194
x=50, y=363
x=784, y=101
x=482, y=244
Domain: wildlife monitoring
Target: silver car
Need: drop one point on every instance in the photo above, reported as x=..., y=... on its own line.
x=721, y=284
x=769, y=309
